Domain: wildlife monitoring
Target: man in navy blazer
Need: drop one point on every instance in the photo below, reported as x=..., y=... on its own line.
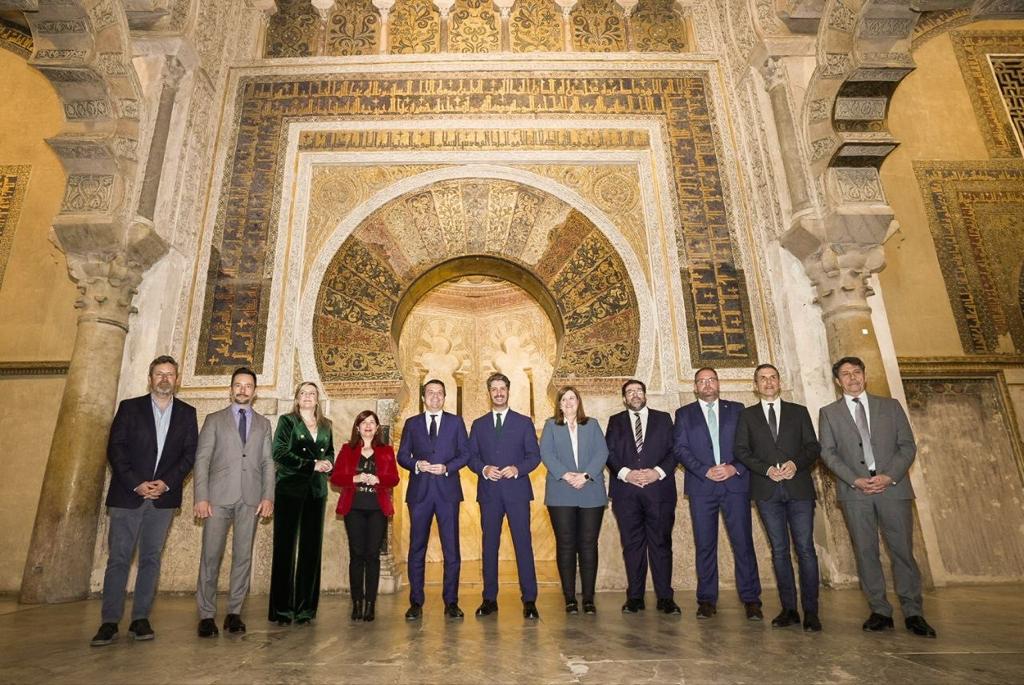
x=434, y=447
x=503, y=451
x=151, y=450
x=716, y=482
x=643, y=493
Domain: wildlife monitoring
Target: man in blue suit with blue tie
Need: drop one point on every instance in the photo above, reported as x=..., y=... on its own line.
x=716, y=482
x=434, y=447
x=503, y=451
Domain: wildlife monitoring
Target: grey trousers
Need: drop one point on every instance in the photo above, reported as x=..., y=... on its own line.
x=215, y=536
x=895, y=519
x=145, y=527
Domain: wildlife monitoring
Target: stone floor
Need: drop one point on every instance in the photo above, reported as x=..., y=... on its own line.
x=981, y=640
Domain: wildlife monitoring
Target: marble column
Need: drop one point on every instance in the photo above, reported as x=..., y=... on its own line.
x=60, y=556
x=172, y=74
x=775, y=79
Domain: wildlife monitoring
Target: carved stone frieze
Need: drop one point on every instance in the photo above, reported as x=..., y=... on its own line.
x=87, y=193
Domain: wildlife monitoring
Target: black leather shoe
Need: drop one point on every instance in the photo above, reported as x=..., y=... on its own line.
x=487, y=607
x=141, y=630
x=369, y=611
x=668, y=605
x=706, y=610
x=877, y=622
x=811, y=623
x=105, y=635
x=633, y=606
x=357, y=610
x=453, y=611
x=588, y=607
x=414, y=613
x=753, y=610
x=918, y=626
x=786, y=618
x=233, y=624
x=571, y=607
x=529, y=610
x=207, y=628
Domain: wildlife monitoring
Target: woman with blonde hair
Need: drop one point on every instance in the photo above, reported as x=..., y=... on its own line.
x=574, y=451
x=303, y=456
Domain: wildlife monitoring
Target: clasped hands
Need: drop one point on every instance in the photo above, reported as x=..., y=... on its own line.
x=322, y=466
x=780, y=473
x=642, y=477
x=151, y=489
x=367, y=478
x=721, y=472
x=424, y=466
x=875, y=485
x=575, y=479
x=494, y=473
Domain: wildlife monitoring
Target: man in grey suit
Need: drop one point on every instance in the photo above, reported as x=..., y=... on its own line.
x=867, y=443
x=234, y=485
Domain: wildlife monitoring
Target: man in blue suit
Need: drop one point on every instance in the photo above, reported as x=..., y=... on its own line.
x=716, y=482
x=502, y=452
x=643, y=493
x=434, y=447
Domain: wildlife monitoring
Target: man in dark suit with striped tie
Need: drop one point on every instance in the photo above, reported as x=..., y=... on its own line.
x=643, y=493
x=776, y=441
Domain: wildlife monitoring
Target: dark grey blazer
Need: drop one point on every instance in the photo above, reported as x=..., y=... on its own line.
x=556, y=453
x=892, y=443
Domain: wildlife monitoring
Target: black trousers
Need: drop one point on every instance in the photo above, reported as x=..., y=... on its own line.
x=576, y=533
x=366, y=529
x=295, y=570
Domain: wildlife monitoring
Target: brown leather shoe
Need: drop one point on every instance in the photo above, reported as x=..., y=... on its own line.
x=706, y=610
x=753, y=610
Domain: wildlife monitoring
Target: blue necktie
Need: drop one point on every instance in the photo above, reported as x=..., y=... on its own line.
x=713, y=429
x=242, y=425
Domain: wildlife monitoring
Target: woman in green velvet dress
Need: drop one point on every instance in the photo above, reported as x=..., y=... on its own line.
x=303, y=456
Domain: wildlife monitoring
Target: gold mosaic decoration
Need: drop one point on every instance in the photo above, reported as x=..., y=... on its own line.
x=13, y=181
x=1009, y=74
x=598, y=26
x=415, y=27
x=353, y=28
x=658, y=26
x=295, y=30
x=474, y=26
x=16, y=39
x=240, y=272
x=536, y=26
x=976, y=215
x=973, y=50
x=585, y=276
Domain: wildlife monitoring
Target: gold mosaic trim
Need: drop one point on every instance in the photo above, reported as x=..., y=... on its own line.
x=13, y=181
x=973, y=50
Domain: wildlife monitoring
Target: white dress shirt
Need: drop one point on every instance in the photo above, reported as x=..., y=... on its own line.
x=777, y=404
x=573, y=429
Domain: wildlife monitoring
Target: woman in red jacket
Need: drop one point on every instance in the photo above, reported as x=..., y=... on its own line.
x=366, y=471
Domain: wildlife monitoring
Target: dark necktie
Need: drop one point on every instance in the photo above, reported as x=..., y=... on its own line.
x=433, y=427
x=638, y=434
x=497, y=426
x=243, y=428
x=773, y=422
x=865, y=434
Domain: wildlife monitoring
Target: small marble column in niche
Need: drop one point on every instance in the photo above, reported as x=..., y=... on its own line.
x=444, y=6
x=627, y=11
x=384, y=8
x=323, y=8
x=566, y=6
x=775, y=76
x=172, y=74
x=505, y=7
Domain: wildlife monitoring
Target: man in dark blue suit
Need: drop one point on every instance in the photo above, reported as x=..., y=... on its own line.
x=716, y=482
x=434, y=447
x=151, y=450
x=643, y=493
x=503, y=451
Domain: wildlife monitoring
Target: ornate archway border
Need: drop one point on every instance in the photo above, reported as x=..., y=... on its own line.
x=318, y=268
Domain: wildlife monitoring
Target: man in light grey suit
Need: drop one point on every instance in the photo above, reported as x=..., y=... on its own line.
x=867, y=443
x=234, y=485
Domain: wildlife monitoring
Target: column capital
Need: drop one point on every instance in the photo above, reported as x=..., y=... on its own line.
x=774, y=72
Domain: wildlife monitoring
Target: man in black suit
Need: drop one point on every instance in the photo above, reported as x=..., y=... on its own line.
x=643, y=493
x=151, y=450
x=776, y=441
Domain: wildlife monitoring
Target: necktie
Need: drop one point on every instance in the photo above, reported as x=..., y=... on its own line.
x=243, y=428
x=773, y=422
x=638, y=434
x=713, y=429
x=497, y=425
x=433, y=426
x=865, y=434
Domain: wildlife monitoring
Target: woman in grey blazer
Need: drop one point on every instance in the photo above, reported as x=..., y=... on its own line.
x=574, y=452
